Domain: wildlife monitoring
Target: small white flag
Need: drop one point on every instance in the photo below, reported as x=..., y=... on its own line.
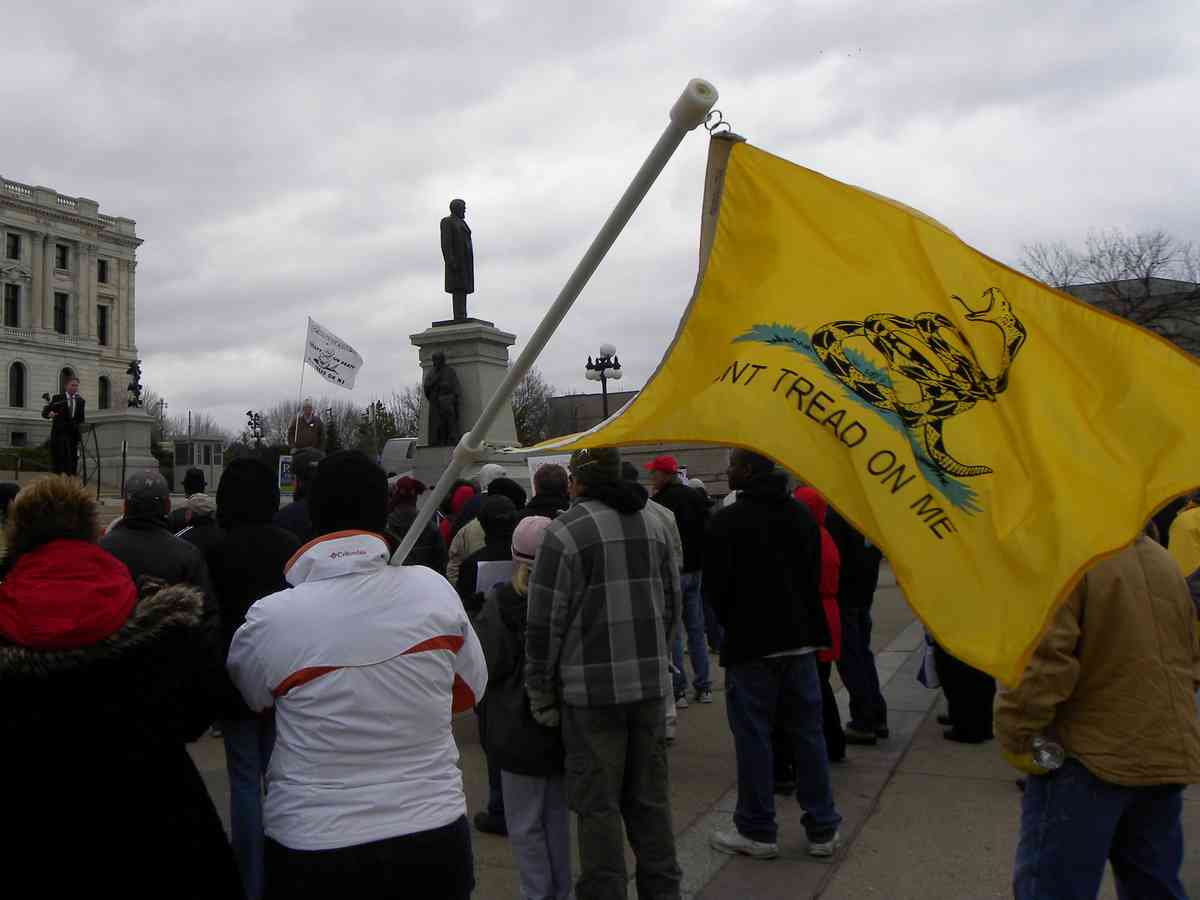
x=335, y=360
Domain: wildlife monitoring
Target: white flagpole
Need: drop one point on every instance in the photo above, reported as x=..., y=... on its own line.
x=688, y=112
x=300, y=393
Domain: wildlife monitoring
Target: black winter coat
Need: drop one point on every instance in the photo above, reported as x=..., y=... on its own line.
x=101, y=792
x=148, y=548
x=859, y=571
x=429, y=550
x=203, y=534
x=515, y=741
x=548, y=506
x=497, y=549
x=246, y=566
x=294, y=518
x=762, y=569
x=691, y=515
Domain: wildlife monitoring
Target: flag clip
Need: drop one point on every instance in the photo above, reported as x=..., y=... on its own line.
x=715, y=123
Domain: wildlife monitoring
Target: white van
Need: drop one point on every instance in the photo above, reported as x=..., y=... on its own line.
x=397, y=455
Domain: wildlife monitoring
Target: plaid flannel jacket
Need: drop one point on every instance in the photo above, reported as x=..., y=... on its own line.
x=603, y=596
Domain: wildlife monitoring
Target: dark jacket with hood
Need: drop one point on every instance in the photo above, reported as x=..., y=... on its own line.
x=762, y=569
x=146, y=547
x=295, y=518
x=515, y=741
x=429, y=550
x=202, y=532
x=549, y=506
x=246, y=566
x=691, y=516
x=498, y=517
x=94, y=740
x=249, y=561
x=859, y=574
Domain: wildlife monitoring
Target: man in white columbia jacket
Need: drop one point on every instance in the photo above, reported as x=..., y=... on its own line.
x=364, y=664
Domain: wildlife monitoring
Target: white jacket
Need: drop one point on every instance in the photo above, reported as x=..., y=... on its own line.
x=365, y=663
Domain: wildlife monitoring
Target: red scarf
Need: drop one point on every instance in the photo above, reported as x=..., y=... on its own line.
x=65, y=594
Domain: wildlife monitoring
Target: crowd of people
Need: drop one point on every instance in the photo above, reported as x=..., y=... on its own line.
x=561, y=619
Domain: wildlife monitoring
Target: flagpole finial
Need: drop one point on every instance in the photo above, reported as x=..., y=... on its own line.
x=693, y=104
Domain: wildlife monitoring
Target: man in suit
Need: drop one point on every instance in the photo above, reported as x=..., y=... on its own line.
x=66, y=414
x=459, y=256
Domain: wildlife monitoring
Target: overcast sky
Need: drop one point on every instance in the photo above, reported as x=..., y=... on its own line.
x=285, y=159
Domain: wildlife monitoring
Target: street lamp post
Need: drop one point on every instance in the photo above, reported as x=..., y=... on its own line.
x=606, y=367
x=254, y=425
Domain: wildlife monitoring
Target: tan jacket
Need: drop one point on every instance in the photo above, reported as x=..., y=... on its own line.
x=1115, y=678
x=469, y=539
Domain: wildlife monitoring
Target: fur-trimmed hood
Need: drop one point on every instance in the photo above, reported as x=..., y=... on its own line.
x=159, y=613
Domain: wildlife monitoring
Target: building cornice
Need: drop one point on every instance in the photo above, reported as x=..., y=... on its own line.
x=44, y=214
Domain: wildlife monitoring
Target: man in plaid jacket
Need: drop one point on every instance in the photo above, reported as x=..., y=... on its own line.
x=603, y=598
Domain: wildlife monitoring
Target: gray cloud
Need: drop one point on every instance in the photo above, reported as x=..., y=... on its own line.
x=293, y=159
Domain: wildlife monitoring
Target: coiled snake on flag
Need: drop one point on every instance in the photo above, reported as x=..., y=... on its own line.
x=951, y=381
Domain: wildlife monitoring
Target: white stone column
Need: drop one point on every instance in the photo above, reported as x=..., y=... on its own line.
x=46, y=300
x=86, y=259
x=129, y=304
x=37, y=284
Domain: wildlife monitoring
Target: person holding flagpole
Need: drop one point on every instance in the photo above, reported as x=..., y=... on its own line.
x=308, y=431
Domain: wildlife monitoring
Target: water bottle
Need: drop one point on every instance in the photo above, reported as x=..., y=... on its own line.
x=1048, y=754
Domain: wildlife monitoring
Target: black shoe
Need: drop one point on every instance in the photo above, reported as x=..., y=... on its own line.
x=491, y=824
x=784, y=788
x=944, y=719
x=883, y=733
x=860, y=737
x=961, y=737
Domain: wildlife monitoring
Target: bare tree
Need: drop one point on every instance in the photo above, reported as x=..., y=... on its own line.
x=202, y=424
x=151, y=403
x=341, y=418
x=1148, y=278
x=277, y=418
x=531, y=407
x=405, y=409
x=1053, y=262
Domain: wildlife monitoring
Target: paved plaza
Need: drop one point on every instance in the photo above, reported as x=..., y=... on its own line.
x=925, y=818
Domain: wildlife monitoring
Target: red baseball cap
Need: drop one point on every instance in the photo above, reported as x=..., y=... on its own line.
x=663, y=464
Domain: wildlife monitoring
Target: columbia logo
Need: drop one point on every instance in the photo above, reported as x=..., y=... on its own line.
x=338, y=554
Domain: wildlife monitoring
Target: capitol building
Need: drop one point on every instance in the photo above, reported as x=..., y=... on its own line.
x=67, y=280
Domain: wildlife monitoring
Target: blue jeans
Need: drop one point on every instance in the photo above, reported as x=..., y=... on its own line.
x=693, y=624
x=248, y=745
x=868, y=709
x=1072, y=823
x=784, y=691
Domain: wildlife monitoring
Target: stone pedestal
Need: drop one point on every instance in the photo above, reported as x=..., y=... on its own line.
x=114, y=426
x=478, y=353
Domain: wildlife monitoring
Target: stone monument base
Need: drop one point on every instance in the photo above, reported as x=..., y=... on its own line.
x=477, y=351
x=114, y=428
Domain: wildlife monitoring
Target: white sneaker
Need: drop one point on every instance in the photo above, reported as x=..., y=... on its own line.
x=733, y=841
x=681, y=702
x=704, y=696
x=826, y=849
x=670, y=732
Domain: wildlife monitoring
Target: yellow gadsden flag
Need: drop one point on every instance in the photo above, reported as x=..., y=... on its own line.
x=993, y=436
